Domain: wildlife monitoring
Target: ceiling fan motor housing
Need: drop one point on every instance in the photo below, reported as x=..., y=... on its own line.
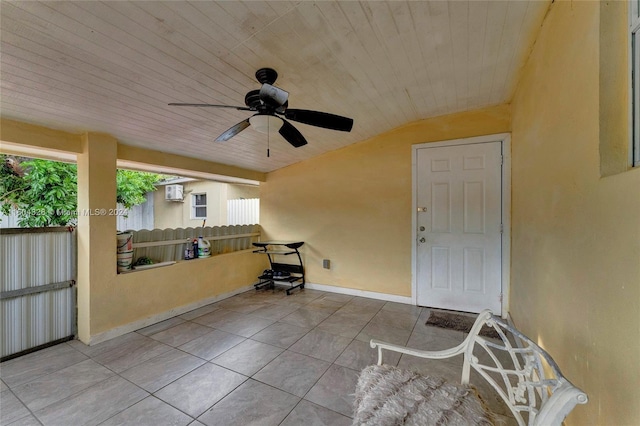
x=266, y=75
x=273, y=96
x=252, y=99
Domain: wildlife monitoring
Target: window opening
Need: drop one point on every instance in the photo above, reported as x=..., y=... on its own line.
x=199, y=206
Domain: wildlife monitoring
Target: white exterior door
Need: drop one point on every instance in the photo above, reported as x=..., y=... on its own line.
x=459, y=227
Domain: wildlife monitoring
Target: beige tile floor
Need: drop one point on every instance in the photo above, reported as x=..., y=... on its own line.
x=258, y=358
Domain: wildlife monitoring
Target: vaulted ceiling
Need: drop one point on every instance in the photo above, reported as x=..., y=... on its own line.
x=113, y=67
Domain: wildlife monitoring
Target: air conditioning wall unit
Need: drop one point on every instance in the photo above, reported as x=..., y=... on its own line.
x=173, y=193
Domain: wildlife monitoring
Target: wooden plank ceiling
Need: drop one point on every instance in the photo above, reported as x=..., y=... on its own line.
x=113, y=67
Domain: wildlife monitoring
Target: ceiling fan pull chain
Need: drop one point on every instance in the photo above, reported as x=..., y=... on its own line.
x=268, y=136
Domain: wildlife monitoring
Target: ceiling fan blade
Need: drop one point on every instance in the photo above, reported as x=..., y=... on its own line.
x=320, y=119
x=239, y=108
x=292, y=135
x=233, y=131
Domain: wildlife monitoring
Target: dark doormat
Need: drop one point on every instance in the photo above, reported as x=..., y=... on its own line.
x=458, y=322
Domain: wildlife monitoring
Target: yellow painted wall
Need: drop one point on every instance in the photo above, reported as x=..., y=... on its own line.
x=108, y=301
x=139, y=295
x=96, y=233
x=168, y=214
x=162, y=161
x=238, y=191
x=353, y=206
x=29, y=140
x=576, y=236
x=614, y=88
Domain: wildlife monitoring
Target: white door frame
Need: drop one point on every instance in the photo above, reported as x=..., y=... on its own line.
x=505, y=140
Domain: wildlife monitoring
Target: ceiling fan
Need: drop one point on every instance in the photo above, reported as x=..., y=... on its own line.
x=270, y=104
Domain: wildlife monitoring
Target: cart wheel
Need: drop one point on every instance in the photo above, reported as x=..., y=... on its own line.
x=301, y=285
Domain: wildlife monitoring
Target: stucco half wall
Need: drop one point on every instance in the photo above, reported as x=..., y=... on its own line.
x=133, y=300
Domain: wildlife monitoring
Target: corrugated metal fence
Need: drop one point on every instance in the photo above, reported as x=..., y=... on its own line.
x=241, y=212
x=138, y=217
x=38, y=294
x=9, y=221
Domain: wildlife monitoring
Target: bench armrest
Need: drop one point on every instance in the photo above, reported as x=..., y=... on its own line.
x=446, y=353
x=522, y=373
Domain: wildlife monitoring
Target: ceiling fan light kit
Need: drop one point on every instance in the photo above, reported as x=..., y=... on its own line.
x=270, y=103
x=265, y=123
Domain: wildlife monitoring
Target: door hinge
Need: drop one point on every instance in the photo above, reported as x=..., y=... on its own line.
x=501, y=228
x=500, y=297
x=501, y=159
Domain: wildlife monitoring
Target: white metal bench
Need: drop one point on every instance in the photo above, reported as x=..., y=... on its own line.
x=522, y=373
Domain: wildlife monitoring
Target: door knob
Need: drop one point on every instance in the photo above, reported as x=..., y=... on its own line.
x=422, y=228
x=423, y=240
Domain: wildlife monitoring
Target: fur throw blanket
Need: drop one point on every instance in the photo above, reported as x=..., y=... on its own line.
x=389, y=396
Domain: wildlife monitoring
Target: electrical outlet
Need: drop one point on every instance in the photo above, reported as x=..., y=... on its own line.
x=326, y=264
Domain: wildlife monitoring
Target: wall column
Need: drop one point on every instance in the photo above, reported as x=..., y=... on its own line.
x=96, y=227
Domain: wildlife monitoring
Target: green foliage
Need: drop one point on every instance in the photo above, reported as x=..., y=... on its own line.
x=10, y=182
x=132, y=187
x=143, y=261
x=45, y=193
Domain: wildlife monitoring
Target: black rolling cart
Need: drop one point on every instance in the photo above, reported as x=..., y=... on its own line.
x=281, y=272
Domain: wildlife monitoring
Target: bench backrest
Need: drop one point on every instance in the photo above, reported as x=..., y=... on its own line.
x=523, y=374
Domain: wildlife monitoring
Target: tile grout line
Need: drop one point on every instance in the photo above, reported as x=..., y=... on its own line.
x=284, y=350
x=322, y=375
x=307, y=303
x=32, y=412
